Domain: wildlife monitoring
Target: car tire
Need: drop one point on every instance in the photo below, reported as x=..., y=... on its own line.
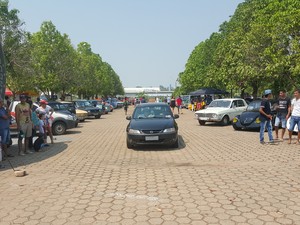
x=59, y=128
x=128, y=144
x=225, y=120
x=175, y=144
x=97, y=117
x=201, y=122
x=235, y=127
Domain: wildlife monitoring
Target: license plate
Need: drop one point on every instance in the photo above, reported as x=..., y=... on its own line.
x=151, y=138
x=204, y=118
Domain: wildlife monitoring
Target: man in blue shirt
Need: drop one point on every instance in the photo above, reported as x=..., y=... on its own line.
x=266, y=117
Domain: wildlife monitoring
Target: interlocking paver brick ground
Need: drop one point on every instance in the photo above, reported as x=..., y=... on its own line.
x=217, y=176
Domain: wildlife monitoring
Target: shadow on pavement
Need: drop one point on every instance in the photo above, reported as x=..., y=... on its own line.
x=35, y=157
x=161, y=147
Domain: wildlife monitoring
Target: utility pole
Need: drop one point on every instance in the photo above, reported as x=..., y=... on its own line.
x=2, y=69
x=2, y=61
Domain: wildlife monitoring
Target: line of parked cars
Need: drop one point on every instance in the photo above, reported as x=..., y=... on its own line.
x=241, y=114
x=66, y=114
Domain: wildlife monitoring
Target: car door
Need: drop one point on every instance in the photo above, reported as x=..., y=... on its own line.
x=233, y=110
x=241, y=106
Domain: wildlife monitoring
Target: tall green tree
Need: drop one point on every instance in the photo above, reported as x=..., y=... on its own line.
x=53, y=59
x=16, y=47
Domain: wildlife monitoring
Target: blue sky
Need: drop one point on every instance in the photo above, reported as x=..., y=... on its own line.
x=147, y=42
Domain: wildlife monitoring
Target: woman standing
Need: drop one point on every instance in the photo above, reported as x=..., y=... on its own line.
x=48, y=111
x=172, y=103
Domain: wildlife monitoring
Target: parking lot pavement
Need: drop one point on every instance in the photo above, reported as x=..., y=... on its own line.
x=217, y=176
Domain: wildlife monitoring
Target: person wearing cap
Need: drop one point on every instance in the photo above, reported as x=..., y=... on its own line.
x=24, y=124
x=48, y=111
x=266, y=117
x=295, y=116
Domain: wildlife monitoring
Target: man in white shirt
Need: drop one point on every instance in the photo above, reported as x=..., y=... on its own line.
x=295, y=116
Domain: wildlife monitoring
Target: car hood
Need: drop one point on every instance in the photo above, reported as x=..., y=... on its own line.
x=151, y=124
x=88, y=108
x=212, y=110
x=249, y=117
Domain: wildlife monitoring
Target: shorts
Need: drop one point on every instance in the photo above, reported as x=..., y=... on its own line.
x=5, y=136
x=295, y=120
x=282, y=119
x=26, y=128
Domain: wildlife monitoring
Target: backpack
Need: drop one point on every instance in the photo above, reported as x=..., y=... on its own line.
x=38, y=143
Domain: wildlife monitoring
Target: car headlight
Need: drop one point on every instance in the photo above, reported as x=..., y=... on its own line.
x=257, y=120
x=132, y=131
x=235, y=120
x=169, y=130
x=69, y=117
x=89, y=111
x=214, y=115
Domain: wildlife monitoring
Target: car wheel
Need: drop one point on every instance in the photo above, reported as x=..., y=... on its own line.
x=225, y=120
x=175, y=144
x=235, y=127
x=128, y=144
x=59, y=128
x=201, y=122
x=97, y=117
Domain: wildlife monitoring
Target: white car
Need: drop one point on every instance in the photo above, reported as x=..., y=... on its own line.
x=221, y=110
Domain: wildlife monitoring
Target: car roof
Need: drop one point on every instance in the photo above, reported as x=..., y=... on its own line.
x=229, y=99
x=152, y=104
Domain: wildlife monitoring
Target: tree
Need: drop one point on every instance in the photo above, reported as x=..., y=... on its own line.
x=16, y=47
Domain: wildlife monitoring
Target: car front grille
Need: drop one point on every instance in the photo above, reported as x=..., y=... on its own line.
x=205, y=115
x=94, y=110
x=151, y=131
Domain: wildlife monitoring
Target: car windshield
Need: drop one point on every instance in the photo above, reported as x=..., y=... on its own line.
x=58, y=106
x=220, y=103
x=253, y=106
x=83, y=104
x=149, y=112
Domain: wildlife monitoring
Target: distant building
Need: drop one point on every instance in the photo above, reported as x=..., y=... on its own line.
x=150, y=91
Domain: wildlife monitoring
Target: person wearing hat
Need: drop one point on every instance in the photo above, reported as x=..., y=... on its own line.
x=24, y=124
x=48, y=111
x=266, y=117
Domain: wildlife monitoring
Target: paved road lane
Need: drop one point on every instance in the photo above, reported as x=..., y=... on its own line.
x=217, y=176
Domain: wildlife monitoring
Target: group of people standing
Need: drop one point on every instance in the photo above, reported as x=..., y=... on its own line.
x=198, y=103
x=30, y=123
x=176, y=103
x=286, y=109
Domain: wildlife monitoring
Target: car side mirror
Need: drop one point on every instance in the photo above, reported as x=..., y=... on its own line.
x=176, y=116
x=128, y=117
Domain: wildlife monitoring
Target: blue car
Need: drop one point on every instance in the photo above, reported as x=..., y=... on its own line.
x=249, y=119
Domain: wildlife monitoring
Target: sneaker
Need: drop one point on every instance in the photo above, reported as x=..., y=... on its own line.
x=272, y=142
x=262, y=142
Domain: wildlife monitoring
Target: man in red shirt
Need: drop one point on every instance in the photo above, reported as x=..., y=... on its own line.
x=179, y=104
